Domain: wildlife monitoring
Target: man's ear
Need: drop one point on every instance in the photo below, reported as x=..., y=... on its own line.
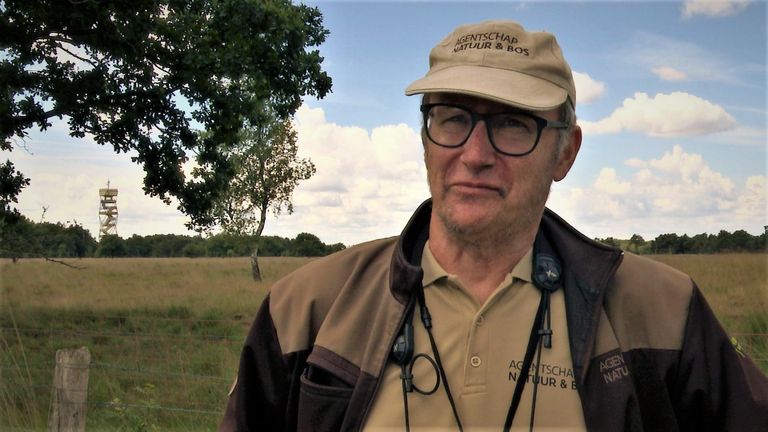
x=568, y=154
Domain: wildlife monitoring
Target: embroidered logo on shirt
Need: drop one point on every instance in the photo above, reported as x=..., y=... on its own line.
x=554, y=376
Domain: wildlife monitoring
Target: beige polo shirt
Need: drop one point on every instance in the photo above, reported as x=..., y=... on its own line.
x=482, y=349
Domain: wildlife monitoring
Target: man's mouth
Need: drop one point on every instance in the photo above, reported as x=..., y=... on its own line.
x=475, y=188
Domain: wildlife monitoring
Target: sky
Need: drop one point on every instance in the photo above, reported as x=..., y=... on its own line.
x=671, y=97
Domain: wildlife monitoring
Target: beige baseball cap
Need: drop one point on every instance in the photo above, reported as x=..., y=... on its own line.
x=501, y=61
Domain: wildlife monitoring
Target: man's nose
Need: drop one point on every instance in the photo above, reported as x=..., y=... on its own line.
x=478, y=150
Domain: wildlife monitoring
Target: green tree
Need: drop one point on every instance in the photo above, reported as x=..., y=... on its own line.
x=741, y=240
x=274, y=246
x=142, y=75
x=17, y=237
x=267, y=170
x=193, y=249
x=111, y=246
x=334, y=248
x=138, y=246
x=725, y=241
x=82, y=240
x=704, y=243
x=673, y=244
x=610, y=241
x=11, y=183
x=636, y=241
x=307, y=245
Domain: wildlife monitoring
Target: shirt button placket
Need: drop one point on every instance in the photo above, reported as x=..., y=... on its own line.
x=475, y=361
x=476, y=354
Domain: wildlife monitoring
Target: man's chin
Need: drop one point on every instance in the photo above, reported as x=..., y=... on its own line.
x=468, y=223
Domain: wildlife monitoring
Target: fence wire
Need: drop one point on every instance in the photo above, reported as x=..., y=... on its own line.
x=752, y=343
x=143, y=335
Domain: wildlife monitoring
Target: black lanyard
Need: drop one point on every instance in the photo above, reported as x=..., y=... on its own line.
x=546, y=275
x=537, y=330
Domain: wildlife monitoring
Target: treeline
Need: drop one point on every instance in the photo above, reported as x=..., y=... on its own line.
x=27, y=239
x=722, y=242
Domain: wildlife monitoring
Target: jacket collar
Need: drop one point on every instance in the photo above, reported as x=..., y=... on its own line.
x=405, y=271
x=587, y=267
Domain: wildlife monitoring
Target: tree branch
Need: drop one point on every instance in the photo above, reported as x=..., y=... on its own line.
x=22, y=255
x=86, y=60
x=23, y=120
x=64, y=263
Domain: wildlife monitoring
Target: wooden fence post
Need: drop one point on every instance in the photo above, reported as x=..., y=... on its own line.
x=70, y=391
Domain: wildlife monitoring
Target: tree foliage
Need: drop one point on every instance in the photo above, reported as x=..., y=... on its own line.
x=11, y=182
x=144, y=76
x=111, y=246
x=670, y=243
x=307, y=244
x=27, y=239
x=267, y=170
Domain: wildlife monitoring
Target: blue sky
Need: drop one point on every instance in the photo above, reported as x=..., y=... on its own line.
x=671, y=97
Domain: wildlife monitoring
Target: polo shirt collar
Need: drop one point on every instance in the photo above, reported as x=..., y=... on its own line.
x=434, y=272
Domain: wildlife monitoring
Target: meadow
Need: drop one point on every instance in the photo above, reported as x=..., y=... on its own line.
x=165, y=334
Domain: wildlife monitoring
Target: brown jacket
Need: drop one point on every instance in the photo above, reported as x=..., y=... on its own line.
x=648, y=353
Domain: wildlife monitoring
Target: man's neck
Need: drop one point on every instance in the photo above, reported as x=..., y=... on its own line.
x=480, y=263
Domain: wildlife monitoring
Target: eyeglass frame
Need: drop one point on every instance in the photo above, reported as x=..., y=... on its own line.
x=541, y=124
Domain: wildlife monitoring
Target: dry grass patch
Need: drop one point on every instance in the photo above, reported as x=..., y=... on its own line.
x=735, y=285
x=168, y=331
x=199, y=284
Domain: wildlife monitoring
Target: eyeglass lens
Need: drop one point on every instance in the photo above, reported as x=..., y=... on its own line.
x=510, y=133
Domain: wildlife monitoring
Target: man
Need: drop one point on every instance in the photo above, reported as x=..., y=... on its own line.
x=490, y=312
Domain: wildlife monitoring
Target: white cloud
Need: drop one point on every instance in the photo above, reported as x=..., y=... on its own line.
x=699, y=63
x=608, y=183
x=635, y=163
x=713, y=8
x=753, y=200
x=674, y=114
x=669, y=74
x=677, y=192
x=369, y=182
x=587, y=89
x=742, y=134
x=366, y=185
x=66, y=179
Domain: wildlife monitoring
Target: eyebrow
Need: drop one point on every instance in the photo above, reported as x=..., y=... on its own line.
x=502, y=109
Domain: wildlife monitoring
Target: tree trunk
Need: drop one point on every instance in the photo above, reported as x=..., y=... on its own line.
x=255, y=271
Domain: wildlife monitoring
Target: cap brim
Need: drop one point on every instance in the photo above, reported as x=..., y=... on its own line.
x=505, y=86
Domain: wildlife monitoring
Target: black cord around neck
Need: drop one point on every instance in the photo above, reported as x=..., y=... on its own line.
x=533, y=341
x=540, y=336
x=545, y=341
x=404, y=374
x=426, y=319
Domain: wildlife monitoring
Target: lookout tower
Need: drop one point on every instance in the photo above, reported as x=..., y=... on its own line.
x=107, y=211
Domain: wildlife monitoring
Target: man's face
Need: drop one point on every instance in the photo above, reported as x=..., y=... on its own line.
x=479, y=194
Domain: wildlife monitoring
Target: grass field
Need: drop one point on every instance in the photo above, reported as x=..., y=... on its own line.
x=165, y=334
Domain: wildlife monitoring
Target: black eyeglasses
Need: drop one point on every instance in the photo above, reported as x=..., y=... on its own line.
x=510, y=133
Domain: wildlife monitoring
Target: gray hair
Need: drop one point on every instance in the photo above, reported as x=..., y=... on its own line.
x=568, y=115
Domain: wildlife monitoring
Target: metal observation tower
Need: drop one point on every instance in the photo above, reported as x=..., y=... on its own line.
x=107, y=211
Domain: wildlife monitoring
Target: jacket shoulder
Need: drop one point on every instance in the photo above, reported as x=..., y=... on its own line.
x=647, y=302
x=319, y=277
x=300, y=301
